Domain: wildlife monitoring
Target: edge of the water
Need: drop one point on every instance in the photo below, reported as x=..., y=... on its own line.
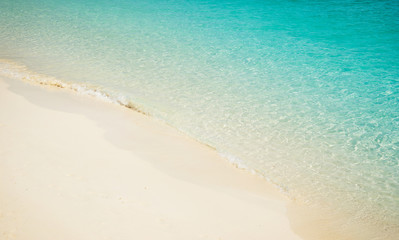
x=303, y=219
x=79, y=151
x=17, y=71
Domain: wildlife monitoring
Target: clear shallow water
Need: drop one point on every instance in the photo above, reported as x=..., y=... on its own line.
x=305, y=93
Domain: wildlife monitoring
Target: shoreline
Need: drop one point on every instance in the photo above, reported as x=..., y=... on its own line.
x=84, y=168
x=311, y=223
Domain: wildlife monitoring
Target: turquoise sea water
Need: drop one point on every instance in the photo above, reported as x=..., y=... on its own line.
x=305, y=93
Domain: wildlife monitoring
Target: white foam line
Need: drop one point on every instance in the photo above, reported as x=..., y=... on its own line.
x=14, y=71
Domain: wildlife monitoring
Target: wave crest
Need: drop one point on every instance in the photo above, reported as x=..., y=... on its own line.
x=15, y=71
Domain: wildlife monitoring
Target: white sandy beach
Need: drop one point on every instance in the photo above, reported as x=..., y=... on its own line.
x=73, y=167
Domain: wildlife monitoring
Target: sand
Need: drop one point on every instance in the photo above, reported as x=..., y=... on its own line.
x=74, y=167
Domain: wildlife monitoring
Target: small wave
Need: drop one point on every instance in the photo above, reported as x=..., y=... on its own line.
x=240, y=164
x=13, y=70
x=237, y=162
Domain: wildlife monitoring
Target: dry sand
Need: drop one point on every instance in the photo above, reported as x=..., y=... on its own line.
x=73, y=167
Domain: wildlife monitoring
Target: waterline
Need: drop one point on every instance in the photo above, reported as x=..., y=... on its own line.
x=304, y=93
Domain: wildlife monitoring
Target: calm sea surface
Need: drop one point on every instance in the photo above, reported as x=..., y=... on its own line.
x=305, y=93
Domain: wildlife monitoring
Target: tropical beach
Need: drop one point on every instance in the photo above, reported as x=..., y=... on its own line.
x=199, y=119
x=74, y=167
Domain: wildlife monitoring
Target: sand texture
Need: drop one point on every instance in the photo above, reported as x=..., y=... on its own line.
x=73, y=167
